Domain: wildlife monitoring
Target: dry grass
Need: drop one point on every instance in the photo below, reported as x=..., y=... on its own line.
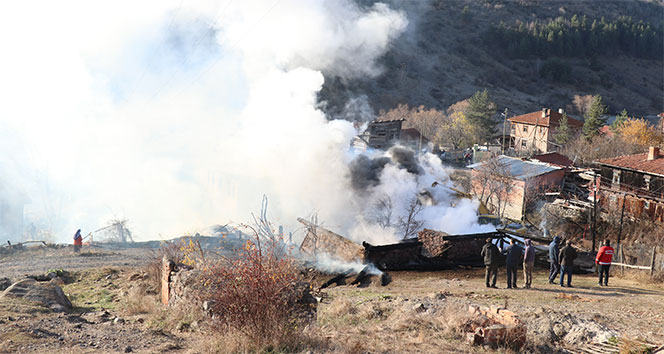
x=178, y=318
x=237, y=342
x=639, y=275
x=138, y=302
x=374, y=322
x=629, y=346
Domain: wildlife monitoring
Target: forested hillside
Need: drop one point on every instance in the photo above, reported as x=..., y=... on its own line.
x=529, y=54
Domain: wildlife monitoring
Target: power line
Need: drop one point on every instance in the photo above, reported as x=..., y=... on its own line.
x=196, y=44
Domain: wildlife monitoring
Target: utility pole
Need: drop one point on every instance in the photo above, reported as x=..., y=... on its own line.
x=622, y=215
x=594, y=212
x=502, y=143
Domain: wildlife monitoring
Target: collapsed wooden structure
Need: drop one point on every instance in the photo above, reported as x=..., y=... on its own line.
x=431, y=250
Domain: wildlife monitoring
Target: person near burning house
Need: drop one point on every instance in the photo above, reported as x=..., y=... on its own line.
x=513, y=253
x=491, y=255
x=528, y=264
x=78, y=240
x=567, y=256
x=603, y=261
x=554, y=265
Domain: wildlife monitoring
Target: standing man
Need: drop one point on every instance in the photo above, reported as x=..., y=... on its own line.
x=528, y=264
x=513, y=253
x=490, y=254
x=78, y=240
x=567, y=256
x=603, y=261
x=554, y=266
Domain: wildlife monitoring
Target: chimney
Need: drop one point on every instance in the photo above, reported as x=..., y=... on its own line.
x=560, y=110
x=544, y=112
x=653, y=153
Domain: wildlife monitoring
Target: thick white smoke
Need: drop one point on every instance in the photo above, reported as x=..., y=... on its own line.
x=179, y=115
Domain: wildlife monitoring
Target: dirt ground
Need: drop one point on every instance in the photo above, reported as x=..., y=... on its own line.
x=38, y=259
x=116, y=310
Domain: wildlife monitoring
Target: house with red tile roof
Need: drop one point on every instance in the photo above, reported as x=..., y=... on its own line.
x=635, y=181
x=533, y=132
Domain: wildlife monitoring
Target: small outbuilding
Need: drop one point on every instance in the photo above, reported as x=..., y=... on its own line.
x=507, y=184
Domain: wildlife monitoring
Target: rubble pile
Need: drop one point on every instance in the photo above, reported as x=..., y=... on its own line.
x=439, y=244
x=497, y=326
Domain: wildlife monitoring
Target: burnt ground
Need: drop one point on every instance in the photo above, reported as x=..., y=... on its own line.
x=116, y=309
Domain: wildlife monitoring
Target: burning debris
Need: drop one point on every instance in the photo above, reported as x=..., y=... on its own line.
x=431, y=250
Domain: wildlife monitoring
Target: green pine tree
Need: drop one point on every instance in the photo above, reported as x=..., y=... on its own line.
x=563, y=133
x=480, y=114
x=620, y=119
x=594, y=117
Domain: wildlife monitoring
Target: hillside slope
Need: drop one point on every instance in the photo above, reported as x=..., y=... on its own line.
x=444, y=56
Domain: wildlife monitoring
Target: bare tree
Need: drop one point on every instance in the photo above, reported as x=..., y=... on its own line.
x=584, y=152
x=409, y=224
x=492, y=184
x=116, y=231
x=426, y=121
x=581, y=103
x=382, y=212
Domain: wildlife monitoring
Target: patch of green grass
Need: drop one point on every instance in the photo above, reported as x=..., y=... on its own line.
x=90, y=290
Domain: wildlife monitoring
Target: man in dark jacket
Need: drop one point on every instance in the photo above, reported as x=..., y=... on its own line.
x=567, y=256
x=490, y=253
x=554, y=266
x=512, y=262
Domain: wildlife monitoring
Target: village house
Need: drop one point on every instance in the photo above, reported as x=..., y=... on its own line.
x=413, y=139
x=383, y=134
x=635, y=181
x=528, y=180
x=534, y=132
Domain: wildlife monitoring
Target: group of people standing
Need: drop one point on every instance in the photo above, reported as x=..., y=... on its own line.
x=561, y=262
x=514, y=256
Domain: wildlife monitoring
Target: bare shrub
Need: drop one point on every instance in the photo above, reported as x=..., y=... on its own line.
x=256, y=295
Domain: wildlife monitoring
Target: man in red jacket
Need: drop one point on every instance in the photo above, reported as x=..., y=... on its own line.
x=603, y=261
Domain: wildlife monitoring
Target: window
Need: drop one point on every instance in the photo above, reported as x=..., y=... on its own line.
x=646, y=183
x=616, y=178
x=524, y=144
x=646, y=205
x=525, y=128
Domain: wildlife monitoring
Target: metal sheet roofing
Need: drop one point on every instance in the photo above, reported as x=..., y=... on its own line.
x=521, y=169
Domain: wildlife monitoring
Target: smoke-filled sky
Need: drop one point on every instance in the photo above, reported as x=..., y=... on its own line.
x=181, y=114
